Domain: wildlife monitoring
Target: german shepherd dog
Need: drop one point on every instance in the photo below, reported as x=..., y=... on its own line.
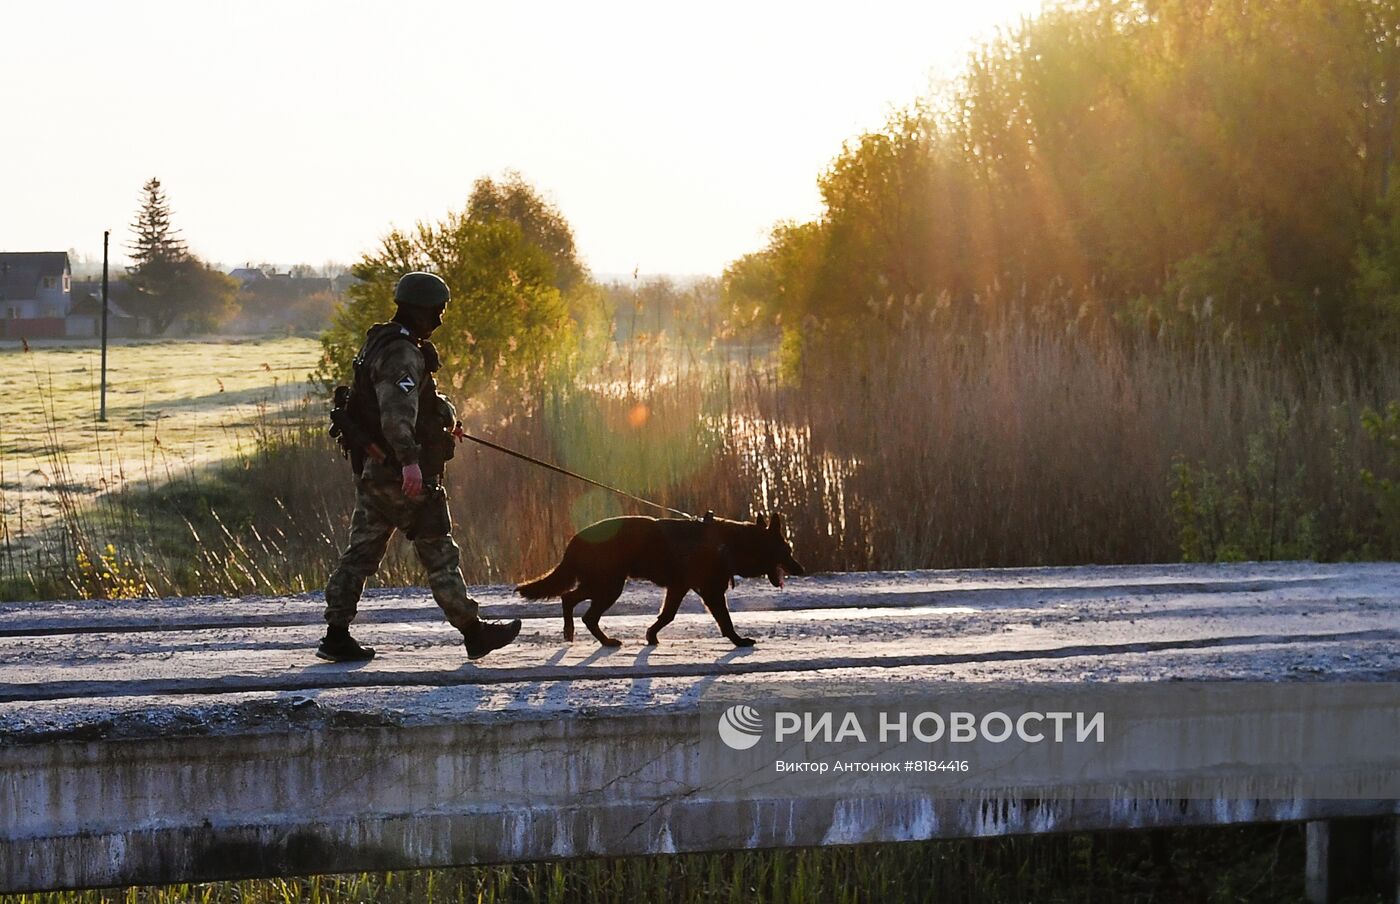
x=679, y=554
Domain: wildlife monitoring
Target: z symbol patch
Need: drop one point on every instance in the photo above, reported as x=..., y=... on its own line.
x=406, y=383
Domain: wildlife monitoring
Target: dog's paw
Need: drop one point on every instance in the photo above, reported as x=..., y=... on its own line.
x=743, y=641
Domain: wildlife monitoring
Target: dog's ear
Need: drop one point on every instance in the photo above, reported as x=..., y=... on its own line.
x=762, y=522
x=777, y=524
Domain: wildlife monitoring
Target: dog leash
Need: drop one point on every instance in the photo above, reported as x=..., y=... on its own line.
x=544, y=464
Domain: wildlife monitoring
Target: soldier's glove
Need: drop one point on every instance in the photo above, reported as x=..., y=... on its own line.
x=459, y=433
x=412, y=481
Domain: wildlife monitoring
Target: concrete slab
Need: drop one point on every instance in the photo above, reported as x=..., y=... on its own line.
x=164, y=740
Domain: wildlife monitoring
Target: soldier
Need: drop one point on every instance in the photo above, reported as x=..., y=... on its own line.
x=395, y=404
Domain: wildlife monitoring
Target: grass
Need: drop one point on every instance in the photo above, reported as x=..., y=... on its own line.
x=170, y=406
x=1228, y=864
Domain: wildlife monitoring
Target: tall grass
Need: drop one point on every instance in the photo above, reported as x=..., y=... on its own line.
x=1032, y=446
x=1248, y=863
x=913, y=447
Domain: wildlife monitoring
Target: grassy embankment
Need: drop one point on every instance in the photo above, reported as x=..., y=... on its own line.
x=1018, y=448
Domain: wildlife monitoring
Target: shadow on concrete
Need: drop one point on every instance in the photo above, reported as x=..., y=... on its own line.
x=697, y=690
x=322, y=665
x=600, y=653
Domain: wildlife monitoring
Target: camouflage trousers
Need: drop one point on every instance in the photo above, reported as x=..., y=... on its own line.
x=380, y=509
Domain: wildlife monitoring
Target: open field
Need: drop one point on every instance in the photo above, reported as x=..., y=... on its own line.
x=171, y=406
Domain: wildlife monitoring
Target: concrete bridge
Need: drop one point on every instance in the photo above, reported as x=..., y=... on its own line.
x=193, y=739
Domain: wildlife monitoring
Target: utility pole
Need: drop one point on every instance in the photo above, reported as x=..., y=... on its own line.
x=102, y=415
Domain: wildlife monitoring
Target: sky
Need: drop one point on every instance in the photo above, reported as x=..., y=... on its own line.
x=672, y=136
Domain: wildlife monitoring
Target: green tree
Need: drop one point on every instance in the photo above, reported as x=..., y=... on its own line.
x=158, y=256
x=540, y=222
x=1125, y=158
x=210, y=296
x=896, y=219
x=169, y=282
x=1377, y=286
x=772, y=289
x=508, y=319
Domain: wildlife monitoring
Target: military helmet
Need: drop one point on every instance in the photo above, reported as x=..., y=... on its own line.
x=421, y=290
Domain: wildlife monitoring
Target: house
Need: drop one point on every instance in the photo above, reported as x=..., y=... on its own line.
x=246, y=275
x=85, y=317
x=275, y=302
x=35, y=294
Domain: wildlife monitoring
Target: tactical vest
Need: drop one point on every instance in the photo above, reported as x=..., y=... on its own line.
x=364, y=400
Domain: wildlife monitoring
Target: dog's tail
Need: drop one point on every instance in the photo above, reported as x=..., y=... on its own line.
x=562, y=578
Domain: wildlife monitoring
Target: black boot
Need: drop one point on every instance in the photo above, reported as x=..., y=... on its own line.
x=483, y=637
x=339, y=646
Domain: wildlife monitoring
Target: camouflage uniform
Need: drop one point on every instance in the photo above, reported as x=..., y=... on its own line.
x=401, y=381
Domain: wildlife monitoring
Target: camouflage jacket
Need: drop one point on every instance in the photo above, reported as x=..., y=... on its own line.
x=410, y=410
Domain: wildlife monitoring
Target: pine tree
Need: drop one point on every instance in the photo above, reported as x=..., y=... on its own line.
x=157, y=241
x=167, y=278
